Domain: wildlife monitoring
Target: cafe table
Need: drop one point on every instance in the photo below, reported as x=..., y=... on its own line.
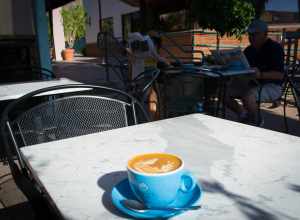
x=245, y=172
x=214, y=78
x=12, y=91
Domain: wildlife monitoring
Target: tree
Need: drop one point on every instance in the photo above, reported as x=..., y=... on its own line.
x=259, y=6
x=74, y=21
x=230, y=17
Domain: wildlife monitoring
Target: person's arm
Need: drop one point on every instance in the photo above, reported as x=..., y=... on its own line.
x=154, y=53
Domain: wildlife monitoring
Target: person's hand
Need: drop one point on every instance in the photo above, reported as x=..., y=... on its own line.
x=131, y=57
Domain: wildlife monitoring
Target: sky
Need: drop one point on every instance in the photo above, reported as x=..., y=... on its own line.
x=282, y=5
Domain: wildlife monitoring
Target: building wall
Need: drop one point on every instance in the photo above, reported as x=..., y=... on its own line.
x=6, y=19
x=92, y=28
x=16, y=17
x=115, y=9
x=109, y=8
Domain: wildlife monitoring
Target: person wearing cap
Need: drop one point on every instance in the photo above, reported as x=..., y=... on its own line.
x=267, y=58
x=143, y=52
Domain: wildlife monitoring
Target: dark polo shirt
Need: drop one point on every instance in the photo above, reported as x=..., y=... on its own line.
x=270, y=57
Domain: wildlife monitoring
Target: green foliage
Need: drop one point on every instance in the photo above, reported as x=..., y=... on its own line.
x=229, y=17
x=74, y=21
x=259, y=6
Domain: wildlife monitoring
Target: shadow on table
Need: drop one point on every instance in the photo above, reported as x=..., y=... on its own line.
x=107, y=182
x=245, y=205
x=294, y=187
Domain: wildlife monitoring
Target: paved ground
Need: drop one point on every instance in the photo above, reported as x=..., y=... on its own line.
x=13, y=204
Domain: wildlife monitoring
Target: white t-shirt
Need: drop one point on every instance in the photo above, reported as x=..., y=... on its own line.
x=143, y=59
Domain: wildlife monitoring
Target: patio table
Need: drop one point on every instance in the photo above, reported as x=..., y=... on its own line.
x=245, y=172
x=209, y=76
x=16, y=90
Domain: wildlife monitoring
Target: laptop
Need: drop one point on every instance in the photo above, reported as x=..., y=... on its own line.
x=231, y=59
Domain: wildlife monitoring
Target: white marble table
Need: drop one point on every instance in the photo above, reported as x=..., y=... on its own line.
x=246, y=172
x=16, y=90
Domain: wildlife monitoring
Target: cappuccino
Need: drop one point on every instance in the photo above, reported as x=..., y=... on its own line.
x=155, y=163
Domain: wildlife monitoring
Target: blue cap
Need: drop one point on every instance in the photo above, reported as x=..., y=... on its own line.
x=257, y=26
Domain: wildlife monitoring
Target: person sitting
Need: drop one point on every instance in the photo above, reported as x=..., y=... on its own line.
x=143, y=55
x=142, y=52
x=267, y=58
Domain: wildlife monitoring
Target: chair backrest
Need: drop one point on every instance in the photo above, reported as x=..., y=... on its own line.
x=290, y=45
x=66, y=111
x=140, y=85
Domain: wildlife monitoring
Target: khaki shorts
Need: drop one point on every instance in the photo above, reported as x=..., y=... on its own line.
x=240, y=87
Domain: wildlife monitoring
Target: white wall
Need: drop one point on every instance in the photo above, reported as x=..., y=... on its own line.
x=58, y=33
x=110, y=8
x=92, y=29
x=6, y=19
x=115, y=9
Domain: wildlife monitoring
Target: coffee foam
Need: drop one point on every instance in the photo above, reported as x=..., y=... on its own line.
x=155, y=163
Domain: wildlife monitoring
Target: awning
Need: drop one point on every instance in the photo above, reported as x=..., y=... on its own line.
x=52, y=4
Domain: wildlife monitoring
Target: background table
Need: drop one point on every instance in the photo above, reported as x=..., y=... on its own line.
x=246, y=172
x=16, y=90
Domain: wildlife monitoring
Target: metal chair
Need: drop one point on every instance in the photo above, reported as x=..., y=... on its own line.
x=291, y=62
x=290, y=45
x=182, y=90
x=141, y=84
x=61, y=112
x=114, y=54
x=140, y=87
x=292, y=85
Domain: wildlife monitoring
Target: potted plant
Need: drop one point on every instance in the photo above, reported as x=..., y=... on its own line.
x=74, y=20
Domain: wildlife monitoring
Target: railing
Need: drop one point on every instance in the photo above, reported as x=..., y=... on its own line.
x=185, y=50
x=114, y=55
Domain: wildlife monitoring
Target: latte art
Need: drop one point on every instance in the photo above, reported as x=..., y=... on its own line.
x=155, y=163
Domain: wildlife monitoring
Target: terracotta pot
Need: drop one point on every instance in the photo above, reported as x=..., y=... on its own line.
x=68, y=54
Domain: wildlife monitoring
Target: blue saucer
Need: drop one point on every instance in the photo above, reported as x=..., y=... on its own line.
x=122, y=191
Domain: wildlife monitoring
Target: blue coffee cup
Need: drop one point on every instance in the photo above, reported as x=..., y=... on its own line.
x=159, y=190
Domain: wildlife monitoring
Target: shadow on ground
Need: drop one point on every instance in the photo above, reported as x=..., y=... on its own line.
x=17, y=212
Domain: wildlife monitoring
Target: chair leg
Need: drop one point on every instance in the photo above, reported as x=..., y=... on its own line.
x=220, y=92
x=259, y=118
x=284, y=112
x=224, y=100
